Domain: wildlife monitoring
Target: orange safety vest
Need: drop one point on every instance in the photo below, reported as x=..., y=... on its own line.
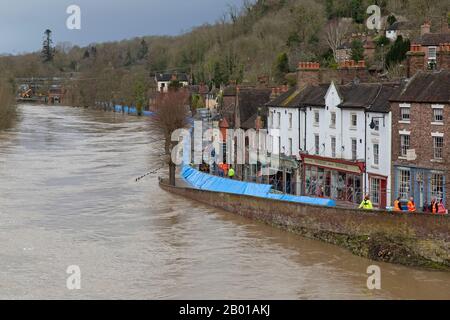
x=411, y=206
x=434, y=207
x=442, y=209
x=397, y=206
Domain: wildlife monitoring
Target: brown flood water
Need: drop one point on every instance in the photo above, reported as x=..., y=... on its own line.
x=68, y=196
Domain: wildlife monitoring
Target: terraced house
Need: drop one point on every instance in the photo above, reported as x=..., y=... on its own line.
x=420, y=142
x=341, y=137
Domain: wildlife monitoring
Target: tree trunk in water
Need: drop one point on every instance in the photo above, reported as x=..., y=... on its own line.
x=172, y=169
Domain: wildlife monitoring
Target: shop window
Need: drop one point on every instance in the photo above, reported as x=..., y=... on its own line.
x=404, y=181
x=437, y=186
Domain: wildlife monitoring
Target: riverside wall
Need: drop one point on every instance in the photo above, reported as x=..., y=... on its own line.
x=420, y=240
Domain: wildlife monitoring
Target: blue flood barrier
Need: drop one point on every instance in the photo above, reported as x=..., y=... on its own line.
x=204, y=181
x=132, y=110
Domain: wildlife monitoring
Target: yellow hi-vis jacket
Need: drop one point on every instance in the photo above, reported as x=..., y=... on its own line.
x=366, y=205
x=231, y=173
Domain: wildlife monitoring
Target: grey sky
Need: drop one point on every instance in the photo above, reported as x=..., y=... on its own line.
x=22, y=22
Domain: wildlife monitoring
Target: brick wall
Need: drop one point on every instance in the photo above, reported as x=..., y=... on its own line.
x=415, y=62
x=412, y=239
x=421, y=128
x=443, y=61
x=308, y=73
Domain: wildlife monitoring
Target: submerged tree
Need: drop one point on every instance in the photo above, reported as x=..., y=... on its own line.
x=171, y=114
x=139, y=92
x=47, y=50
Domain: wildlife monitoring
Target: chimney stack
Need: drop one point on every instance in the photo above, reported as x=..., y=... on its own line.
x=443, y=55
x=350, y=70
x=308, y=74
x=415, y=60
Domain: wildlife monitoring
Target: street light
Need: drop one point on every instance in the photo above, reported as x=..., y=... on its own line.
x=373, y=124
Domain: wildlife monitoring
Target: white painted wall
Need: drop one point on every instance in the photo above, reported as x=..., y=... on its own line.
x=285, y=129
x=383, y=137
x=167, y=83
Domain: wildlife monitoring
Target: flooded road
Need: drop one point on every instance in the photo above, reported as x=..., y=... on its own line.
x=68, y=196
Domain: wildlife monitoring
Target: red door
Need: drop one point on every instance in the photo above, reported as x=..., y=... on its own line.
x=383, y=194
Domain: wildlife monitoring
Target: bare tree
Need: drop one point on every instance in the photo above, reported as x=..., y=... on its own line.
x=171, y=114
x=335, y=34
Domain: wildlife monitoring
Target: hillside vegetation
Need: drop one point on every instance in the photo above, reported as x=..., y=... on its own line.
x=264, y=37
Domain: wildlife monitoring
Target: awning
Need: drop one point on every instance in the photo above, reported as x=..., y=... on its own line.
x=355, y=167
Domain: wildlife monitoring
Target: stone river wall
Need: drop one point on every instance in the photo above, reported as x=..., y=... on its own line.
x=411, y=239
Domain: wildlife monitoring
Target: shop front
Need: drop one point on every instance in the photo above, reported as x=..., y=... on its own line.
x=333, y=178
x=421, y=183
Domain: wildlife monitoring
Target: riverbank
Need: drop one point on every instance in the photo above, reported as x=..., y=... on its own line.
x=7, y=105
x=417, y=240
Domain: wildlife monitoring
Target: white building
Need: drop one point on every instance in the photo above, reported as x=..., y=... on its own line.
x=163, y=80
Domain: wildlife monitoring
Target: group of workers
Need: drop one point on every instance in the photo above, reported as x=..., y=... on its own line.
x=437, y=207
x=226, y=170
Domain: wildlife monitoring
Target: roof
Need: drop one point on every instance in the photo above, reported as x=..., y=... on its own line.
x=374, y=97
x=371, y=96
x=294, y=98
x=426, y=87
x=166, y=77
x=433, y=39
x=250, y=101
x=250, y=122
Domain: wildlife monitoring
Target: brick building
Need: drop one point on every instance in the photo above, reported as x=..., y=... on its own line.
x=431, y=51
x=420, y=138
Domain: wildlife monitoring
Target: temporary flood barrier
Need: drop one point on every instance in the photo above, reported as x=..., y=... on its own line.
x=204, y=181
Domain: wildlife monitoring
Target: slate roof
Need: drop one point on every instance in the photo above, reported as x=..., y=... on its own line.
x=167, y=77
x=426, y=87
x=433, y=39
x=250, y=100
x=294, y=98
x=374, y=97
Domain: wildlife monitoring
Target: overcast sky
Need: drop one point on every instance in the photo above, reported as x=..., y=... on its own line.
x=22, y=22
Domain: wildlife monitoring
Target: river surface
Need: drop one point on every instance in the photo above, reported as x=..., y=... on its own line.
x=68, y=197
